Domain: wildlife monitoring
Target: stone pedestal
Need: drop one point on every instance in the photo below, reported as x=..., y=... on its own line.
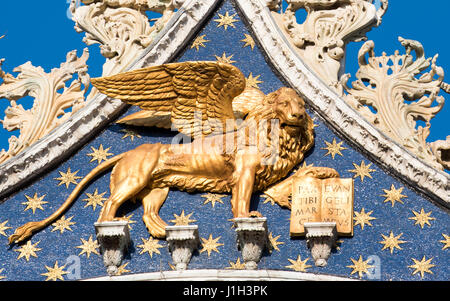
x=320, y=238
x=252, y=239
x=182, y=242
x=114, y=239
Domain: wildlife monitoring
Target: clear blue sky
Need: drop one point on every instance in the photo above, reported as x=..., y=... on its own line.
x=41, y=32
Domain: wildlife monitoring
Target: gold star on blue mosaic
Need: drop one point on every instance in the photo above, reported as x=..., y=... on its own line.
x=129, y=220
x=298, y=265
x=63, y=224
x=199, y=42
x=172, y=267
x=236, y=265
x=34, y=202
x=99, y=154
x=27, y=250
x=362, y=218
x=360, y=266
x=150, y=246
x=362, y=170
x=274, y=242
x=304, y=165
x=334, y=148
x=314, y=123
x=130, y=133
x=55, y=273
x=226, y=20
x=422, y=267
x=225, y=59
x=182, y=219
x=95, y=199
x=249, y=42
x=253, y=81
x=88, y=246
x=392, y=242
x=68, y=178
x=1, y=276
x=213, y=198
x=422, y=218
x=3, y=228
x=445, y=241
x=122, y=269
x=210, y=244
x=393, y=195
x=338, y=244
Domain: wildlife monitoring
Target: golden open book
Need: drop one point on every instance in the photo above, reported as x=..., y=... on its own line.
x=322, y=200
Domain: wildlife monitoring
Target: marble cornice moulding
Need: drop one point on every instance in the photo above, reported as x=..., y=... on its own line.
x=100, y=110
x=225, y=275
x=332, y=108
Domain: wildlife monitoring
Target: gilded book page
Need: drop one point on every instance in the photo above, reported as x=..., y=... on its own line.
x=306, y=196
x=337, y=204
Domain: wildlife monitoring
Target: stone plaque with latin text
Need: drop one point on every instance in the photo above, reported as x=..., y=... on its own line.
x=322, y=200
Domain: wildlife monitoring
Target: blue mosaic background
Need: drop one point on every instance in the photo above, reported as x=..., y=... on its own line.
x=427, y=242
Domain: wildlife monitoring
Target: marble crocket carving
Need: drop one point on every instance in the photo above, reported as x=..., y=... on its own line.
x=389, y=94
x=50, y=104
x=329, y=25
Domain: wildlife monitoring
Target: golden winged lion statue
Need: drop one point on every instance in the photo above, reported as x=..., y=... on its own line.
x=242, y=141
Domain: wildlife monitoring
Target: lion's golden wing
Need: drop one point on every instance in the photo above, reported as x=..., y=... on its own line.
x=197, y=95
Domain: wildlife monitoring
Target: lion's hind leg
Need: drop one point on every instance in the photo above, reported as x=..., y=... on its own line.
x=152, y=202
x=129, y=177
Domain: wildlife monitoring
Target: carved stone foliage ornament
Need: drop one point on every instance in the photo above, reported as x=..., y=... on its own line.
x=182, y=242
x=389, y=94
x=441, y=150
x=120, y=27
x=321, y=39
x=50, y=104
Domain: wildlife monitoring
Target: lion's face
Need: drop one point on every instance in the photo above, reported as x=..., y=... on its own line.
x=289, y=107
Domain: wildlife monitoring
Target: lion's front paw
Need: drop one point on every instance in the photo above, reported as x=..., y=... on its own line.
x=254, y=214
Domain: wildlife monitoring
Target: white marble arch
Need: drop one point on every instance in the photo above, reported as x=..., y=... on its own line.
x=224, y=275
x=330, y=107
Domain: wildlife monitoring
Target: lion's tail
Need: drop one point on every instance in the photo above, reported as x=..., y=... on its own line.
x=27, y=230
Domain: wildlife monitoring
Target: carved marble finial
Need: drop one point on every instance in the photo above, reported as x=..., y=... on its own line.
x=320, y=238
x=114, y=239
x=182, y=241
x=252, y=239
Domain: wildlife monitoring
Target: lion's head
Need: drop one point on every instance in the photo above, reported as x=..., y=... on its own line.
x=296, y=134
x=289, y=108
